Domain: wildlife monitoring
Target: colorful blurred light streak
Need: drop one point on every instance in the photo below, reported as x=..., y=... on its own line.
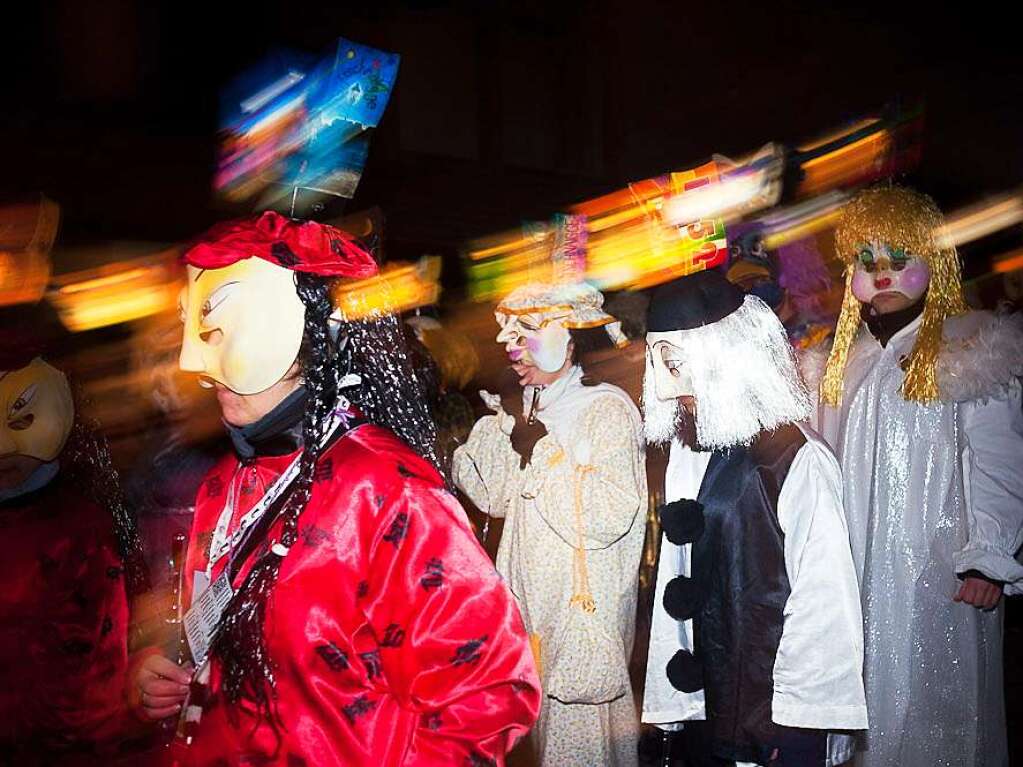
x=644, y=235
x=501, y=263
x=796, y=222
x=23, y=276
x=847, y=164
x=398, y=288
x=294, y=123
x=116, y=293
x=980, y=220
x=661, y=228
x=1009, y=262
x=839, y=135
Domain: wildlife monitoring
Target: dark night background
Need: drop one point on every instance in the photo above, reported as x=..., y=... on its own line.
x=502, y=111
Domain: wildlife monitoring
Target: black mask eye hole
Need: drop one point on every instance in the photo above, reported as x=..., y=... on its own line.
x=211, y=337
x=20, y=424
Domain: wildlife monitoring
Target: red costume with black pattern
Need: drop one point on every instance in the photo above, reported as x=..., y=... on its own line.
x=394, y=639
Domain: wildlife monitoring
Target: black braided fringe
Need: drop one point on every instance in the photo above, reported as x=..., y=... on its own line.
x=248, y=669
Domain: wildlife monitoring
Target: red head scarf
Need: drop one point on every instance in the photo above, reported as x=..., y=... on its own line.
x=302, y=246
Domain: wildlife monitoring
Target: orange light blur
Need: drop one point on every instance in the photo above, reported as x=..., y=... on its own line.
x=1010, y=262
x=120, y=292
x=398, y=288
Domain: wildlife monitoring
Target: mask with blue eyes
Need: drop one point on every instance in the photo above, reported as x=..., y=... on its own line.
x=882, y=268
x=38, y=411
x=243, y=324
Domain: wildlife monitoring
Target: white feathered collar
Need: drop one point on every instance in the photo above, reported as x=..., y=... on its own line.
x=981, y=355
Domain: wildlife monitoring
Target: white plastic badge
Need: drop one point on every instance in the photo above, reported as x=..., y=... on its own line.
x=203, y=618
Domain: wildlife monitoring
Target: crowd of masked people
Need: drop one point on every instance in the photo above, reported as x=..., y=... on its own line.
x=838, y=518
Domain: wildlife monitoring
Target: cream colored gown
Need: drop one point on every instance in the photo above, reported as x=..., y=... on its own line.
x=586, y=482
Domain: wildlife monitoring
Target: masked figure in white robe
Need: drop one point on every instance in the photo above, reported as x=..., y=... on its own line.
x=922, y=407
x=756, y=645
x=562, y=461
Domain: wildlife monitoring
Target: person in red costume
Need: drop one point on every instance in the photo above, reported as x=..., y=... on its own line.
x=366, y=626
x=71, y=560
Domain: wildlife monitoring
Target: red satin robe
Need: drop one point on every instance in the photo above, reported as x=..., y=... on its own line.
x=395, y=640
x=63, y=630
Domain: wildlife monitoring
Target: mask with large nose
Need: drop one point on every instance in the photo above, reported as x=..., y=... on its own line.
x=243, y=317
x=243, y=324
x=535, y=338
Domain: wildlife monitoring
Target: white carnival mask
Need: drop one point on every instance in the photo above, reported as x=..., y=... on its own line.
x=535, y=338
x=881, y=268
x=243, y=324
x=672, y=377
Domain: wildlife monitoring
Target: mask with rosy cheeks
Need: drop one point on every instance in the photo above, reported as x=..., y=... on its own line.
x=883, y=269
x=38, y=411
x=539, y=339
x=243, y=324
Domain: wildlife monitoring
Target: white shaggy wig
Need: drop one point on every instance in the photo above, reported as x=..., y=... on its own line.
x=745, y=380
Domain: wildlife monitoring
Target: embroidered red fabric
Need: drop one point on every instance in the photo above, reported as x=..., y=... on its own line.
x=396, y=642
x=302, y=246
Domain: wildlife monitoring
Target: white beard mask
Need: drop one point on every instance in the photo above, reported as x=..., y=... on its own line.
x=665, y=380
x=740, y=370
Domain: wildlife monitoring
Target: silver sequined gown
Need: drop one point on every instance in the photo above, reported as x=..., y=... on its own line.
x=931, y=490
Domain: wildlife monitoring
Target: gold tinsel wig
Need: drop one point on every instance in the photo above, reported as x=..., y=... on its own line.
x=900, y=218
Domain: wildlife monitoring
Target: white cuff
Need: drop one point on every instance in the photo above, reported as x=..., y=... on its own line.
x=995, y=564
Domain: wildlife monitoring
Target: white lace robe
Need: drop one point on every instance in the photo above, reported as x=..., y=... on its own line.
x=597, y=427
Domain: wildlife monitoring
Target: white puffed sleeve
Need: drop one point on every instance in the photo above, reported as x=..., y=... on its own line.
x=818, y=670
x=993, y=480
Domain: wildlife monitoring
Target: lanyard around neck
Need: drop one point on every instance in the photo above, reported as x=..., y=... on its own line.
x=222, y=543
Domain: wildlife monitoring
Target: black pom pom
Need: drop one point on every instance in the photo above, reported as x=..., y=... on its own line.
x=682, y=598
x=682, y=521
x=685, y=672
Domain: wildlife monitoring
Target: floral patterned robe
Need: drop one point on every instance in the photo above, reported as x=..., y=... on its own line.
x=587, y=478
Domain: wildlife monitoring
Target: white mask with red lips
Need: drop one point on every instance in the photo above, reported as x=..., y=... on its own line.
x=881, y=268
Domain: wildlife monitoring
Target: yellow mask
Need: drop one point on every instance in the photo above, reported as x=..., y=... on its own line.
x=243, y=324
x=38, y=411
